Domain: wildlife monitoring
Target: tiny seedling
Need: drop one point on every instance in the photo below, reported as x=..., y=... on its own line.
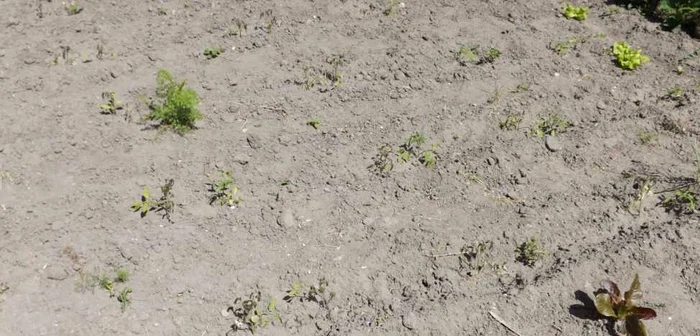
x=122, y=275
x=411, y=147
x=491, y=55
x=473, y=55
x=72, y=8
x=530, y=252
x=223, y=190
x=575, y=13
x=123, y=297
x=628, y=58
x=164, y=204
x=112, y=105
x=392, y=7
x=107, y=284
x=682, y=201
x=428, y=157
x=312, y=79
x=383, y=164
x=511, y=123
x=251, y=316
x=318, y=294
x=211, y=53
x=177, y=106
x=315, y=122
x=674, y=93
x=550, y=126
x=562, y=48
x=623, y=310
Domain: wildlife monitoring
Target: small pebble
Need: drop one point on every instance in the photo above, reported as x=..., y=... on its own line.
x=552, y=143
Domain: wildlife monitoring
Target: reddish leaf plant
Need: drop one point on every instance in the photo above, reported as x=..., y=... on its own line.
x=628, y=317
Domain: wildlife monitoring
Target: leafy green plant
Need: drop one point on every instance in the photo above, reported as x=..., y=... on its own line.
x=107, y=284
x=628, y=58
x=413, y=148
x=511, y=123
x=72, y=8
x=474, y=55
x=223, y=190
x=530, y=252
x=318, y=294
x=315, y=122
x=123, y=297
x=679, y=13
x=575, y=13
x=251, y=316
x=112, y=105
x=551, y=126
x=623, y=309
x=211, y=53
x=164, y=204
x=177, y=106
x=683, y=201
x=122, y=275
x=428, y=157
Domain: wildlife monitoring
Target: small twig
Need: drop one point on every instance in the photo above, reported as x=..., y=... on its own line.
x=677, y=187
x=500, y=320
x=435, y=256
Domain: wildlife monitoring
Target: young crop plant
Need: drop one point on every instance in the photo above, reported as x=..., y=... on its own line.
x=164, y=204
x=211, y=53
x=315, y=122
x=575, y=13
x=413, y=148
x=224, y=191
x=550, y=126
x=491, y=55
x=251, y=316
x=511, y=123
x=122, y=275
x=72, y=8
x=428, y=157
x=623, y=309
x=124, y=298
x=628, y=58
x=176, y=106
x=107, y=284
x=530, y=252
x=112, y=105
x=318, y=294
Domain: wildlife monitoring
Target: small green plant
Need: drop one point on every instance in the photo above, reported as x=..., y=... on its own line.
x=643, y=185
x=474, y=55
x=511, y=123
x=551, y=126
x=675, y=93
x=383, y=164
x=628, y=58
x=624, y=311
x=224, y=191
x=335, y=76
x=392, y=7
x=411, y=147
x=530, y=252
x=315, y=122
x=177, y=106
x=683, y=201
x=575, y=13
x=679, y=13
x=491, y=55
x=72, y=8
x=112, y=105
x=251, y=317
x=107, y=284
x=318, y=294
x=428, y=157
x=164, y=204
x=122, y=275
x=211, y=53
x=123, y=297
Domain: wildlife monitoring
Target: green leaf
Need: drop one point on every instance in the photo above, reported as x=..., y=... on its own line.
x=604, y=305
x=272, y=305
x=635, y=326
x=146, y=194
x=633, y=293
x=136, y=206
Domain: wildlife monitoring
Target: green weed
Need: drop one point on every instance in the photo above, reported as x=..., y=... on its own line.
x=628, y=58
x=511, y=123
x=679, y=13
x=575, y=13
x=549, y=126
x=112, y=105
x=315, y=122
x=224, y=191
x=211, y=53
x=86, y=282
x=674, y=93
x=474, y=55
x=530, y=252
x=122, y=275
x=123, y=297
x=177, y=106
x=683, y=201
x=251, y=316
x=72, y=8
x=164, y=204
x=107, y=284
x=318, y=294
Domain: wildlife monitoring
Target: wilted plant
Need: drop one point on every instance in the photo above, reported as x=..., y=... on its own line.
x=623, y=309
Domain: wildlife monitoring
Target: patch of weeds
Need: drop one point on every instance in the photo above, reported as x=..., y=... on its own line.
x=392, y=7
x=474, y=55
x=164, y=204
x=647, y=137
x=123, y=297
x=176, y=106
x=575, y=13
x=312, y=79
x=413, y=148
x=674, y=93
x=122, y=275
x=627, y=316
x=511, y=123
x=335, y=76
x=563, y=48
x=72, y=8
x=682, y=201
x=551, y=126
x=224, y=191
x=112, y=105
x=315, y=122
x=251, y=316
x=530, y=252
x=383, y=163
x=628, y=58
x=318, y=294
x=679, y=13
x=211, y=53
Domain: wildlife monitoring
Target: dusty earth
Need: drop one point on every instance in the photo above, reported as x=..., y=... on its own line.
x=313, y=204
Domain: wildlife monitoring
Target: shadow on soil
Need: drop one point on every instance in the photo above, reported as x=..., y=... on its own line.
x=586, y=310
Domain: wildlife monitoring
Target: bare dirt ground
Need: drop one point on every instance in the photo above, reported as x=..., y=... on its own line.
x=392, y=246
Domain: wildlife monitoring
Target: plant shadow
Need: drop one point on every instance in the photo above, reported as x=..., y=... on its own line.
x=586, y=310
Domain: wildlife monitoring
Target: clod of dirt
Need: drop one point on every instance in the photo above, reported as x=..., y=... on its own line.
x=552, y=143
x=254, y=141
x=409, y=321
x=286, y=219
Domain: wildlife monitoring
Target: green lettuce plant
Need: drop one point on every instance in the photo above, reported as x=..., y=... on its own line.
x=628, y=58
x=623, y=309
